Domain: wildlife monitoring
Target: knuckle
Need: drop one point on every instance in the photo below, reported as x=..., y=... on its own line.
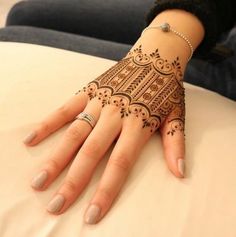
x=121, y=162
x=73, y=132
x=53, y=165
x=91, y=147
x=70, y=186
x=63, y=111
x=44, y=127
x=105, y=194
x=113, y=108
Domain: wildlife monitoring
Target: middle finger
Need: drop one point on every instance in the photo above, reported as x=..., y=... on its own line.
x=81, y=170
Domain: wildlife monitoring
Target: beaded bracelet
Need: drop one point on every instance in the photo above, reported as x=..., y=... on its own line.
x=165, y=27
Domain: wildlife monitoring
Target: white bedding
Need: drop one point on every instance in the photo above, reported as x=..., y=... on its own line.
x=34, y=80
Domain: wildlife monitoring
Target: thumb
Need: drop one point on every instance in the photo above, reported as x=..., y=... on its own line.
x=173, y=140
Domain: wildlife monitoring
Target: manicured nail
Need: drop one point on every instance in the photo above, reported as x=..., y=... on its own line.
x=92, y=214
x=56, y=203
x=29, y=138
x=39, y=180
x=181, y=166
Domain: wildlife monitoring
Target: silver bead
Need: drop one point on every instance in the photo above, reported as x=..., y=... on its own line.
x=165, y=27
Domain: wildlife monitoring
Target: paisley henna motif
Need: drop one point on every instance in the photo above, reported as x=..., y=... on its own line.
x=146, y=86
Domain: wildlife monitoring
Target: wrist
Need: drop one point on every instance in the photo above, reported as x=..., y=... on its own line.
x=168, y=49
x=184, y=22
x=169, y=44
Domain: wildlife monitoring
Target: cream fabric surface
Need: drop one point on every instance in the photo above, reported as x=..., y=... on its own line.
x=35, y=80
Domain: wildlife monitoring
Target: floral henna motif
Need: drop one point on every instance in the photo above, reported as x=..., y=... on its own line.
x=146, y=86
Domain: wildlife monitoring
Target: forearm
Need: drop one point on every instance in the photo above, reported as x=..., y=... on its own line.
x=217, y=16
x=169, y=44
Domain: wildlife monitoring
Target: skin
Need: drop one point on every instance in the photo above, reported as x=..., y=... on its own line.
x=89, y=146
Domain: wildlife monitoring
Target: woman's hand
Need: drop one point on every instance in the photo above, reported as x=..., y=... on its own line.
x=141, y=94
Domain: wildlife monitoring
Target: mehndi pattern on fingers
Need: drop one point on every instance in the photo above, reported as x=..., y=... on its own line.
x=146, y=86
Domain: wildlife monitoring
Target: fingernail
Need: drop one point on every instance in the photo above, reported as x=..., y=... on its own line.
x=29, y=137
x=92, y=214
x=181, y=166
x=39, y=180
x=56, y=203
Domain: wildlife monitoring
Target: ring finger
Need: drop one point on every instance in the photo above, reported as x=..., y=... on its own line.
x=123, y=157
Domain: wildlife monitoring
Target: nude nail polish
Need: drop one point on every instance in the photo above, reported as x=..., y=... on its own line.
x=181, y=166
x=56, y=203
x=39, y=180
x=29, y=138
x=92, y=215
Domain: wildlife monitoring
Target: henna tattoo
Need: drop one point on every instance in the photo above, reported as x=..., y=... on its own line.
x=146, y=86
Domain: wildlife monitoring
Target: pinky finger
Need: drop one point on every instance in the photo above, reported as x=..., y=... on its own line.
x=57, y=119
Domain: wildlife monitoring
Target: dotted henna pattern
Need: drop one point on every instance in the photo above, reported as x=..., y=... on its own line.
x=144, y=85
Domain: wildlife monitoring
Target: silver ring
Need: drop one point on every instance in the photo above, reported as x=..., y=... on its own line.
x=87, y=117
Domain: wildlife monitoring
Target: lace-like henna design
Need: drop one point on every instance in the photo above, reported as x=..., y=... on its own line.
x=144, y=85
